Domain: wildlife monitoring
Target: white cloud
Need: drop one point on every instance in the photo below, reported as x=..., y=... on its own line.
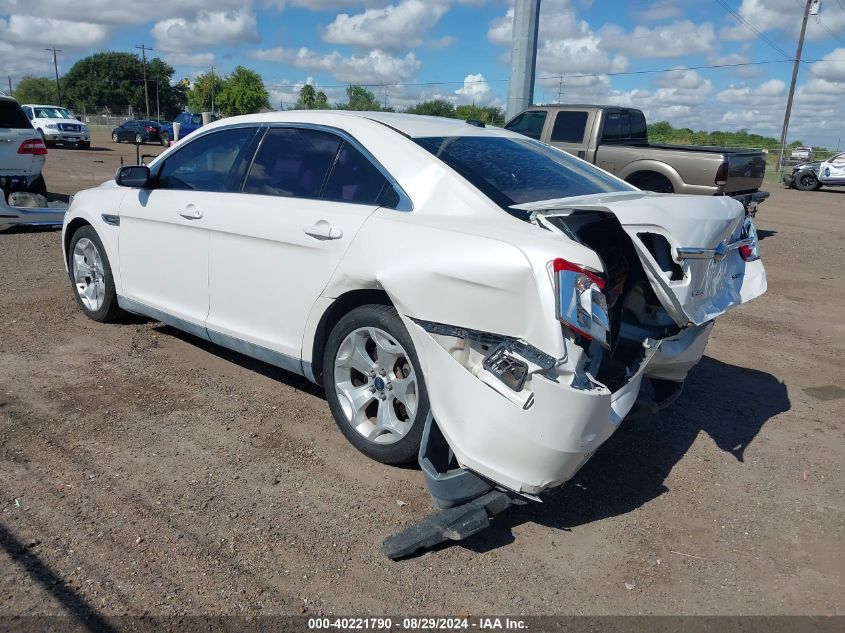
x=477, y=91
x=375, y=67
x=784, y=15
x=832, y=66
x=31, y=30
x=670, y=40
x=395, y=27
x=209, y=28
x=194, y=60
x=115, y=12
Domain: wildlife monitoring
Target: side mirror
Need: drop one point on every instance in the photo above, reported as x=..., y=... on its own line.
x=137, y=176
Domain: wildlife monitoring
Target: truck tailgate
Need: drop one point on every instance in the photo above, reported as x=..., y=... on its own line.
x=745, y=171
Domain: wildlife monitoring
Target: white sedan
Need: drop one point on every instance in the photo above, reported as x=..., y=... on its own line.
x=468, y=295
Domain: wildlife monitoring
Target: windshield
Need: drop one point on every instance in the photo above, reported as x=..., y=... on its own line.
x=52, y=113
x=514, y=170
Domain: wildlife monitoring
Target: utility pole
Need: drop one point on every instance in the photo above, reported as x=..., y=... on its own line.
x=144, y=50
x=56, y=68
x=526, y=21
x=10, y=85
x=158, y=111
x=795, y=67
x=212, y=91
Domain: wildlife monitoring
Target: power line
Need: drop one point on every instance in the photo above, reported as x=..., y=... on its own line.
x=752, y=28
x=568, y=75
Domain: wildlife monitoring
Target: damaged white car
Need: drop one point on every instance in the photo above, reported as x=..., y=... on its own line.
x=467, y=296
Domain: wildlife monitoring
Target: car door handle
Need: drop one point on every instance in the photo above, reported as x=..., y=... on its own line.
x=322, y=230
x=191, y=213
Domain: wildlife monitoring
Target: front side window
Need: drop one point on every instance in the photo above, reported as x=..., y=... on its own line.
x=196, y=119
x=569, y=127
x=513, y=171
x=292, y=162
x=207, y=163
x=529, y=123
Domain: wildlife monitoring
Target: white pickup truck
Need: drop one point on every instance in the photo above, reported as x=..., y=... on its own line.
x=58, y=125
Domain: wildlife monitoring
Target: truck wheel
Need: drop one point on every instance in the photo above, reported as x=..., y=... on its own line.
x=84, y=144
x=38, y=186
x=807, y=182
x=650, y=181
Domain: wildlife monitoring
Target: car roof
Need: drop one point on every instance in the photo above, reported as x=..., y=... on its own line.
x=412, y=125
x=43, y=105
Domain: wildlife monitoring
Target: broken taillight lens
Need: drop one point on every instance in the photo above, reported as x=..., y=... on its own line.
x=34, y=146
x=749, y=252
x=581, y=302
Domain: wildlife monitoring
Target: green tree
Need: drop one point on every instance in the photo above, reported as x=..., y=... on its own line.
x=200, y=94
x=434, y=107
x=489, y=115
x=32, y=89
x=243, y=93
x=115, y=81
x=359, y=99
x=311, y=99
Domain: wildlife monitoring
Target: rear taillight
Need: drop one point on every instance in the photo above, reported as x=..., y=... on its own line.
x=151, y=129
x=34, y=146
x=581, y=302
x=749, y=252
x=722, y=174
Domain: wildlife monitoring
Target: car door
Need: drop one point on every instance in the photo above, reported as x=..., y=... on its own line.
x=569, y=131
x=833, y=171
x=126, y=132
x=529, y=123
x=164, y=235
x=274, y=249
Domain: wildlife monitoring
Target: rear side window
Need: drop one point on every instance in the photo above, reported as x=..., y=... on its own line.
x=207, y=163
x=355, y=179
x=11, y=116
x=624, y=126
x=292, y=162
x=569, y=127
x=528, y=123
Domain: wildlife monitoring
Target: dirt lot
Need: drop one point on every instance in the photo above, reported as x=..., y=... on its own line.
x=143, y=471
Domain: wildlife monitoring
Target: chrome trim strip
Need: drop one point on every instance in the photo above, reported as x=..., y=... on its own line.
x=271, y=357
x=718, y=253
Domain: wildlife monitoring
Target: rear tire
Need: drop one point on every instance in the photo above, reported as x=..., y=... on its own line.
x=374, y=384
x=650, y=181
x=91, y=276
x=38, y=186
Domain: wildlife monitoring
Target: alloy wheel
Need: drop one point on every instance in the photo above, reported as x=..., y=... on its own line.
x=376, y=385
x=89, y=274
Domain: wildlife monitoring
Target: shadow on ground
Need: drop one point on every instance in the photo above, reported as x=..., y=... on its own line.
x=730, y=404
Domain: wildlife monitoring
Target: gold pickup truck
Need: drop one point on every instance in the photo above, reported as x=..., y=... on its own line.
x=616, y=140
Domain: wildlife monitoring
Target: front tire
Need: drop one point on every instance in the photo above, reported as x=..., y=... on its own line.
x=84, y=144
x=115, y=138
x=139, y=140
x=374, y=384
x=91, y=276
x=807, y=182
x=165, y=139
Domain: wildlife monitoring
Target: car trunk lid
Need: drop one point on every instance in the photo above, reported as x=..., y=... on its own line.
x=689, y=247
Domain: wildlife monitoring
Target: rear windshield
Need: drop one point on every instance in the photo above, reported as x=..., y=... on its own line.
x=11, y=115
x=513, y=170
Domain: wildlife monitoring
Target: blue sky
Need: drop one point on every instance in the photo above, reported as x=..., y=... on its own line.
x=458, y=49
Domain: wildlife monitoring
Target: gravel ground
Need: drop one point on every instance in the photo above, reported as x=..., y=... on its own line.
x=145, y=472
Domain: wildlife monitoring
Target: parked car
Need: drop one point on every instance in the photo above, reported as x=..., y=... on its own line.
x=815, y=175
x=22, y=151
x=140, y=131
x=616, y=139
x=802, y=155
x=58, y=125
x=188, y=122
x=468, y=291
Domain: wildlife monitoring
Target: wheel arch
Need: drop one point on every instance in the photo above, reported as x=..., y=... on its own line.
x=338, y=308
x=72, y=227
x=639, y=171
